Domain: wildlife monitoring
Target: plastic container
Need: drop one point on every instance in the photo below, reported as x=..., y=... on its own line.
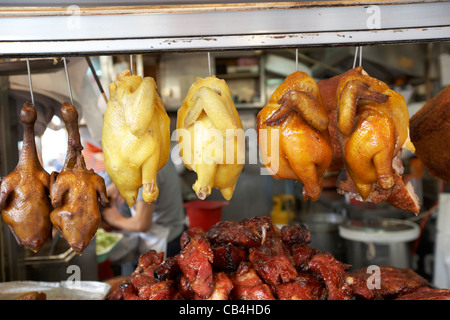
x=204, y=213
x=379, y=242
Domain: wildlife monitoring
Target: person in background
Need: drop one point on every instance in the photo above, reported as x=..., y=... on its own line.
x=157, y=226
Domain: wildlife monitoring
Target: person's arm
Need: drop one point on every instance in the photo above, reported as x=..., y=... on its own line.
x=140, y=222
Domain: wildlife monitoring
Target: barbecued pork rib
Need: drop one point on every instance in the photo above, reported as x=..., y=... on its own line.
x=195, y=263
x=227, y=257
x=304, y=287
x=247, y=285
x=249, y=232
x=272, y=261
x=333, y=273
x=393, y=282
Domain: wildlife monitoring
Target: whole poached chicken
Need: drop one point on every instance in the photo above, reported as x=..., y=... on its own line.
x=294, y=123
x=24, y=196
x=210, y=137
x=76, y=193
x=373, y=128
x=135, y=136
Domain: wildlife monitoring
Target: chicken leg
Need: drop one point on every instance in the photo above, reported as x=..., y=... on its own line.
x=76, y=193
x=24, y=200
x=295, y=111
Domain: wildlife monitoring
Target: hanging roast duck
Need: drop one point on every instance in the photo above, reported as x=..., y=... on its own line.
x=76, y=193
x=24, y=195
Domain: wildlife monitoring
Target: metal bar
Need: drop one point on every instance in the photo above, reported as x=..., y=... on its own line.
x=243, y=20
x=125, y=46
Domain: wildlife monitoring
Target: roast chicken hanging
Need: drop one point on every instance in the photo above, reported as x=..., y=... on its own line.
x=24, y=195
x=76, y=193
x=293, y=137
x=373, y=128
x=210, y=137
x=135, y=137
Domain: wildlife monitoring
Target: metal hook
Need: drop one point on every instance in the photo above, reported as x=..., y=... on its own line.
x=29, y=81
x=209, y=63
x=356, y=55
x=296, y=59
x=68, y=80
x=131, y=64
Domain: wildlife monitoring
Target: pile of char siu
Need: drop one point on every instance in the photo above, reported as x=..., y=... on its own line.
x=255, y=260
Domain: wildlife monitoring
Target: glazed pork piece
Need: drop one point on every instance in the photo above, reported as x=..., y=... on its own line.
x=195, y=263
x=249, y=286
x=247, y=233
x=393, y=283
x=426, y=293
x=275, y=264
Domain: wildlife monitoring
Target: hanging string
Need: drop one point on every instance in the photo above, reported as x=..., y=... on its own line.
x=296, y=59
x=209, y=63
x=29, y=81
x=359, y=48
x=68, y=80
x=131, y=64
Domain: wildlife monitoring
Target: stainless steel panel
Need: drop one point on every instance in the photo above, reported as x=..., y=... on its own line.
x=107, y=31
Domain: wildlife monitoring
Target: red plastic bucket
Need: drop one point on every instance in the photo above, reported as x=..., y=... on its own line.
x=204, y=213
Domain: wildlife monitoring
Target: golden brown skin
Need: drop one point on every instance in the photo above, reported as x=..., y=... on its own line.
x=373, y=127
x=328, y=89
x=295, y=109
x=76, y=192
x=24, y=200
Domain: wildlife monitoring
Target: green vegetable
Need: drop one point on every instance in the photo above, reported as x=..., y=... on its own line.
x=105, y=240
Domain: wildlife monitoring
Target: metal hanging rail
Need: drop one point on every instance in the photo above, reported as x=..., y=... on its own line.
x=47, y=31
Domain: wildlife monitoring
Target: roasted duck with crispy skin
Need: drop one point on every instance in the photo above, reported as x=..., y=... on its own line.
x=135, y=136
x=210, y=137
x=296, y=111
x=24, y=197
x=76, y=193
x=373, y=127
